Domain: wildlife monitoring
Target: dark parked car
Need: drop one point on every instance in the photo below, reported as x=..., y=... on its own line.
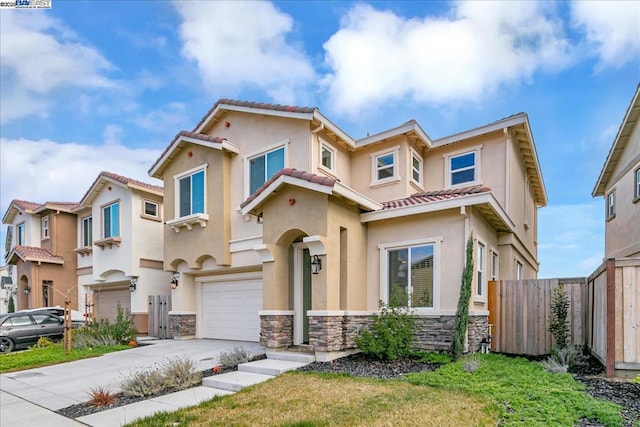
x=20, y=330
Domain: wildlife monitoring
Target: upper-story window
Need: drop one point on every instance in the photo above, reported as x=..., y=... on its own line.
x=45, y=227
x=384, y=166
x=150, y=209
x=20, y=237
x=480, y=269
x=87, y=231
x=264, y=166
x=494, y=266
x=611, y=205
x=637, y=186
x=190, y=192
x=463, y=168
x=111, y=220
x=519, y=270
x=416, y=168
x=327, y=157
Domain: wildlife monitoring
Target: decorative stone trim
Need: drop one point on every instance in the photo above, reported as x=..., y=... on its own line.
x=182, y=325
x=478, y=331
x=325, y=333
x=276, y=330
x=434, y=333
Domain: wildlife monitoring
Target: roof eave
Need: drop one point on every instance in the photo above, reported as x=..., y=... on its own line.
x=482, y=130
x=404, y=128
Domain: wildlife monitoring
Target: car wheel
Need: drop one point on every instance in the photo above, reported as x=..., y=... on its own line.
x=6, y=345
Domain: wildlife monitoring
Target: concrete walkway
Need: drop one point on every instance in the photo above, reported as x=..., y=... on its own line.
x=27, y=398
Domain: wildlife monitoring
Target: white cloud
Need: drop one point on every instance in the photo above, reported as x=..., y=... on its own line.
x=112, y=135
x=243, y=44
x=39, y=55
x=612, y=29
x=377, y=56
x=570, y=239
x=168, y=119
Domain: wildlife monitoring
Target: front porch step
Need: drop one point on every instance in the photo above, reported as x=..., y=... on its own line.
x=234, y=381
x=270, y=366
x=291, y=356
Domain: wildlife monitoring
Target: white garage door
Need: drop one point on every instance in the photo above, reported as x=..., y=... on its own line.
x=107, y=302
x=230, y=310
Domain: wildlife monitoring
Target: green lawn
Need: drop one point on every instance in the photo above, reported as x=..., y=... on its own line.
x=512, y=392
x=52, y=355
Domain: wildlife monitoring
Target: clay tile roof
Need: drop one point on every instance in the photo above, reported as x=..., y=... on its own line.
x=30, y=253
x=434, y=196
x=61, y=205
x=186, y=133
x=292, y=172
x=257, y=105
x=124, y=180
x=26, y=206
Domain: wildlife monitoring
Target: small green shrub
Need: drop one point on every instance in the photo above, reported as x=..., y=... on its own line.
x=11, y=306
x=105, y=333
x=235, y=356
x=558, y=325
x=101, y=396
x=472, y=363
x=636, y=380
x=562, y=359
x=145, y=382
x=124, y=328
x=180, y=373
x=390, y=335
x=42, y=343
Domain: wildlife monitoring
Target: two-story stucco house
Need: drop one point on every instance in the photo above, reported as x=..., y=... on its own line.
x=283, y=229
x=619, y=183
x=119, y=246
x=40, y=243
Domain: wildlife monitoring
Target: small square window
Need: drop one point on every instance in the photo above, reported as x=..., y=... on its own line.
x=327, y=157
x=150, y=209
x=611, y=205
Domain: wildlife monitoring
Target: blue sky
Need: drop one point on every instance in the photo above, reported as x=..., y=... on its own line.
x=101, y=85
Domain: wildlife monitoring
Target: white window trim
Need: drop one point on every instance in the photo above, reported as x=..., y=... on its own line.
x=610, y=205
x=478, y=163
x=374, y=166
x=414, y=153
x=82, y=234
x=102, y=208
x=328, y=147
x=519, y=270
x=384, y=276
x=262, y=151
x=636, y=181
x=495, y=275
x=480, y=268
x=44, y=222
x=155, y=217
x=176, y=189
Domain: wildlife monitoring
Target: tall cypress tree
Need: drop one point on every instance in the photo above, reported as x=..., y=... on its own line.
x=462, y=313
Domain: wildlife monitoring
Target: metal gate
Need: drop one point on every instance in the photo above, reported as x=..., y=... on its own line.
x=159, y=306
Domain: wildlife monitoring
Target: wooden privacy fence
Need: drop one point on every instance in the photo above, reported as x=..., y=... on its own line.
x=614, y=315
x=519, y=311
x=159, y=306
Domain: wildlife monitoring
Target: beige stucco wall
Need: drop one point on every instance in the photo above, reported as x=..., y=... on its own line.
x=342, y=159
x=622, y=233
x=484, y=233
x=448, y=225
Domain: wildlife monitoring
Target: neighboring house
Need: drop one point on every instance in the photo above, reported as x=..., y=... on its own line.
x=285, y=230
x=619, y=184
x=40, y=243
x=119, y=247
x=6, y=288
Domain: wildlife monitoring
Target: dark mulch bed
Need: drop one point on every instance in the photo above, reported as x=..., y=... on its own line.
x=361, y=366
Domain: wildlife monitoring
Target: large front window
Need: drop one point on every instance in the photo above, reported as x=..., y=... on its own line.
x=263, y=167
x=411, y=276
x=463, y=168
x=111, y=220
x=191, y=189
x=87, y=232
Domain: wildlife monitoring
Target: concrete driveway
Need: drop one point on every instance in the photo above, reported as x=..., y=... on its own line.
x=59, y=386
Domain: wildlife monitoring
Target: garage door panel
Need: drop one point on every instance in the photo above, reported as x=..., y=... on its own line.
x=230, y=310
x=107, y=303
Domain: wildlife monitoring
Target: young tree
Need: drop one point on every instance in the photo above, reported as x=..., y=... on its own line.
x=462, y=313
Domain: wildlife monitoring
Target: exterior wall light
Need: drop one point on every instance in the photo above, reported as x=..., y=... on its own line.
x=26, y=290
x=133, y=283
x=174, y=279
x=316, y=265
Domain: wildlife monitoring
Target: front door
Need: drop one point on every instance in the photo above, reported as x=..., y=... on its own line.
x=306, y=294
x=301, y=293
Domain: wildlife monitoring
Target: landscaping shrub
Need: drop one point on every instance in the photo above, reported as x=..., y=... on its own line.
x=235, y=356
x=145, y=382
x=101, y=396
x=472, y=363
x=11, y=306
x=180, y=373
x=558, y=325
x=562, y=359
x=124, y=329
x=42, y=343
x=390, y=335
x=462, y=312
x=103, y=333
